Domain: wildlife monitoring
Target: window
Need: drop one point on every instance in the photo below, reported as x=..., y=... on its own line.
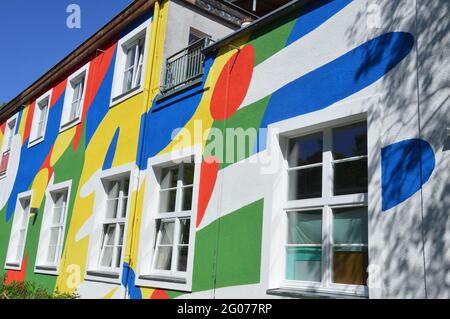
x=169, y=225
x=113, y=225
x=7, y=144
x=51, y=238
x=39, y=123
x=19, y=231
x=326, y=243
x=130, y=64
x=133, y=65
x=173, y=219
x=74, y=98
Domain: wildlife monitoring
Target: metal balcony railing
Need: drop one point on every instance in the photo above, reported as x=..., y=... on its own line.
x=185, y=66
x=4, y=163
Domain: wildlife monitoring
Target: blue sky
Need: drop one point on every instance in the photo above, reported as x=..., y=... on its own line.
x=34, y=37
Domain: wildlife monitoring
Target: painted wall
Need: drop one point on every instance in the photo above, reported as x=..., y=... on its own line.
x=339, y=59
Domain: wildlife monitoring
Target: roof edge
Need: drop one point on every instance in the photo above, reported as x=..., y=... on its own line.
x=102, y=37
x=261, y=22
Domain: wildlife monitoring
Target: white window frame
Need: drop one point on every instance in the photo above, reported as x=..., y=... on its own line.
x=66, y=122
x=9, y=134
x=17, y=264
x=146, y=277
x=34, y=137
x=326, y=203
x=6, y=136
x=41, y=265
x=94, y=272
x=117, y=94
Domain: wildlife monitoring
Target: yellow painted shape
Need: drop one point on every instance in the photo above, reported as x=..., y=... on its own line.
x=39, y=186
x=61, y=144
x=23, y=122
x=110, y=294
x=126, y=116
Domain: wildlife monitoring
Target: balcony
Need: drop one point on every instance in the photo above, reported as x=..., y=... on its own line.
x=184, y=67
x=4, y=163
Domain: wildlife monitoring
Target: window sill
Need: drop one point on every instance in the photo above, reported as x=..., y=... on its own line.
x=103, y=276
x=312, y=294
x=35, y=142
x=125, y=96
x=163, y=282
x=69, y=125
x=46, y=270
x=12, y=266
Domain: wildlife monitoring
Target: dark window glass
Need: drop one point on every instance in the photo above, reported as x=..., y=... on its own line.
x=350, y=177
x=350, y=141
x=305, y=150
x=305, y=183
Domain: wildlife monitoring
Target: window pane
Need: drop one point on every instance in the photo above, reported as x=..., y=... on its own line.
x=350, y=265
x=167, y=232
x=169, y=177
x=54, y=234
x=164, y=258
x=350, y=141
x=109, y=233
x=182, y=258
x=350, y=177
x=131, y=54
x=107, y=257
x=184, y=231
x=118, y=255
x=350, y=225
x=51, y=256
x=305, y=183
x=305, y=150
x=113, y=190
x=123, y=212
x=187, y=198
x=305, y=227
x=122, y=231
x=188, y=174
x=111, y=208
x=167, y=201
x=58, y=215
x=304, y=264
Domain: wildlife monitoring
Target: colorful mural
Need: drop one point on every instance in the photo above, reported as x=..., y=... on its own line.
x=281, y=73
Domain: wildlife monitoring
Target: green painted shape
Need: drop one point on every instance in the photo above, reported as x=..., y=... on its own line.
x=244, y=119
x=272, y=38
x=5, y=231
x=68, y=167
x=237, y=252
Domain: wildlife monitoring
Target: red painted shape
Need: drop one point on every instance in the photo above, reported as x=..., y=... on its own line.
x=97, y=71
x=208, y=177
x=2, y=128
x=17, y=275
x=57, y=92
x=159, y=294
x=233, y=83
x=29, y=121
x=47, y=165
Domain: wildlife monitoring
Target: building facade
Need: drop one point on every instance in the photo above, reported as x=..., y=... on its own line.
x=178, y=155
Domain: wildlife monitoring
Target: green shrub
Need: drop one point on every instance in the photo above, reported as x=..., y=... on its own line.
x=29, y=290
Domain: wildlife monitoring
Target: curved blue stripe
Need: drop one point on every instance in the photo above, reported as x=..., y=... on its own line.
x=314, y=16
x=340, y=78
x=128, y=280
x=405, y=167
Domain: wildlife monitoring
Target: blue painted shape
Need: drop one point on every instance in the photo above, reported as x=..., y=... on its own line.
x=405, y=167
x=107, y=163
x=31, y=159
x=338, y=79
x=128, y=280
x=100, y=104
x=314, y=16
